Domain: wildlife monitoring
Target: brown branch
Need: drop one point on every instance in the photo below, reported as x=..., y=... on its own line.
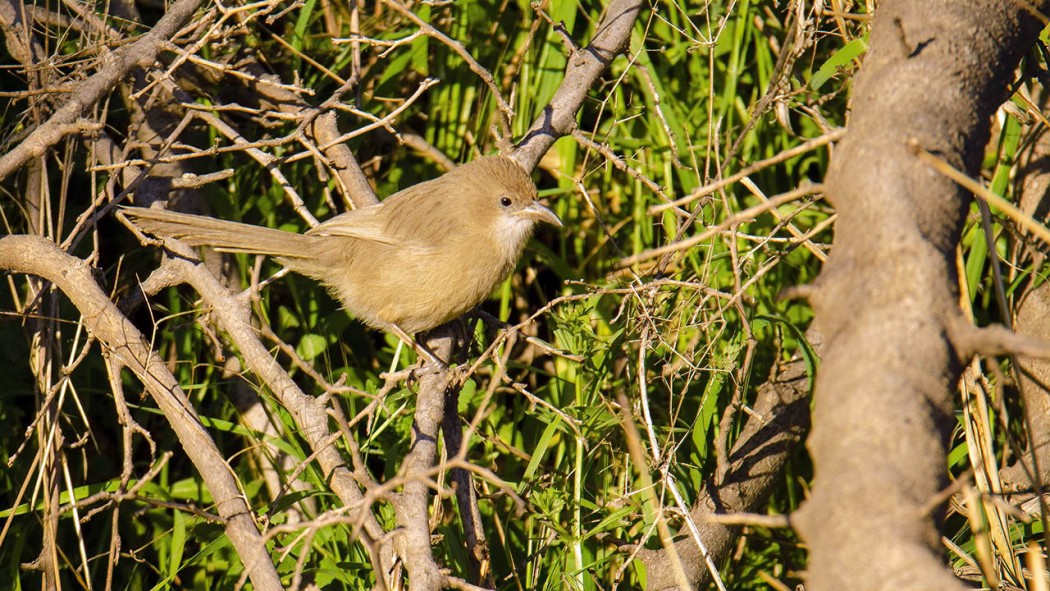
x=22, y=46
x=142, y=53
x=413, y=519
x=38, y=256
x=478, y=555
x=1033, y=319
x=996, y=340
x=267, y=160
x=345, y=166
x=325, y=132
x=730, y=221
x=804, y=147
x=611, y=38
x=309, y=413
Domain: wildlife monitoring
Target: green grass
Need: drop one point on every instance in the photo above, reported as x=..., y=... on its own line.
x=680, y=326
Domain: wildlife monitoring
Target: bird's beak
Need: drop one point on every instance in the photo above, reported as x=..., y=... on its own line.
x=539, y=213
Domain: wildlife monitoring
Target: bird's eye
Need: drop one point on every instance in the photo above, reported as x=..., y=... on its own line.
x=505, y=201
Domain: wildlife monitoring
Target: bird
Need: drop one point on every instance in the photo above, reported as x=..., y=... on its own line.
x=418, y=259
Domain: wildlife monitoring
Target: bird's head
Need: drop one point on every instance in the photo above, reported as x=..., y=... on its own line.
x=502, y=200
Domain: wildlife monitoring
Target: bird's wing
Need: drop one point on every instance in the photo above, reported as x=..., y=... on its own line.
x=415, y=218
x=367, y=223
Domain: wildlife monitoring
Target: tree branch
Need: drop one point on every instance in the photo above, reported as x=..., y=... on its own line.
x=585, y=66
x=779, y=420
x=37, y=256
x=140, y=53
x=413, y=517
x=309, y=413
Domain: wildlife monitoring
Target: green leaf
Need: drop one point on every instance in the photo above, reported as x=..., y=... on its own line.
x=809, y=356
x=311, y=345
x=301, y=24
x=178, y=543
x=837, y=61
x=538, y=453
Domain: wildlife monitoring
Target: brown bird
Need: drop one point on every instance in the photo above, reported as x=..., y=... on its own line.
x=422, y=257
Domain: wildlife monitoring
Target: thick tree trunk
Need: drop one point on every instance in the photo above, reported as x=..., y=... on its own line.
x=1032, y=318
x=888, y=300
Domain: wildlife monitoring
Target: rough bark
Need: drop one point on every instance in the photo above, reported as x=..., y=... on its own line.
x=412, y=539
x=1033, y=319
x=887, y=300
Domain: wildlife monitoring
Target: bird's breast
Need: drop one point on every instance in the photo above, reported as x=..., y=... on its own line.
x=419, y=289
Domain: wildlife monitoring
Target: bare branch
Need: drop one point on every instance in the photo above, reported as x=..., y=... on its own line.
x=309, y=413
x=739, y=217
x=585, y=66
x=807, y=146
x=141, y=53
x=38, y=256
x=413, y=536
x=779, y=421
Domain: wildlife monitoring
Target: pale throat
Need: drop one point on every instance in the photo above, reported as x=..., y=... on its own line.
x=513, y=232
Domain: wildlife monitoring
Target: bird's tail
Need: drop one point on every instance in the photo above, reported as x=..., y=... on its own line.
x=197, y=230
